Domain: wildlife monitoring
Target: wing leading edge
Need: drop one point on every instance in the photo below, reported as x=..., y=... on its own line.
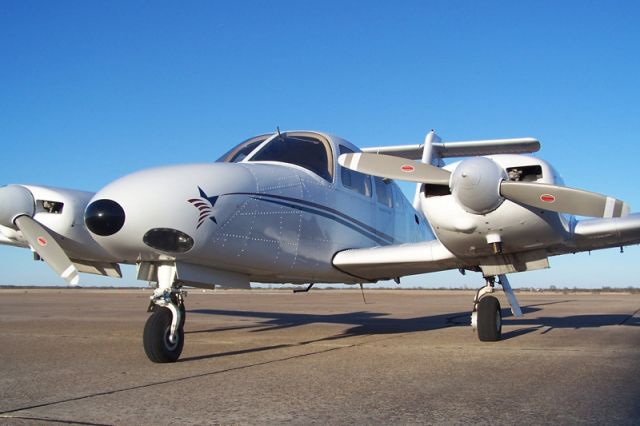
x=462, y=149
x=379, y=263
x=387, y=262
x=594, y=234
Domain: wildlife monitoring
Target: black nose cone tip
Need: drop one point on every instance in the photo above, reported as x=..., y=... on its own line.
x=104, y=217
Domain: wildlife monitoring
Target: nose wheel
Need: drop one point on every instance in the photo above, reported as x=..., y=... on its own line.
x=157, y=338
x=163, y=336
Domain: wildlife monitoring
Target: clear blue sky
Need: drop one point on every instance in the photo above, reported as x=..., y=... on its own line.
x=92, y=90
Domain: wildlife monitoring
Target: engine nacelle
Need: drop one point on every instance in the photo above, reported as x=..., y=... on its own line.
x=59, y=210
x=464, y=231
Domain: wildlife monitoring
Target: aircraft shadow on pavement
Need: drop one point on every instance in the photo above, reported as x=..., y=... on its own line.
x=368, y=323
x=571, y=321
x=365, y=322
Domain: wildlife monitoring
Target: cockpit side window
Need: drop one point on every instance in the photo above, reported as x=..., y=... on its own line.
x=304, y=150
x=242, y=150
x=355, y=181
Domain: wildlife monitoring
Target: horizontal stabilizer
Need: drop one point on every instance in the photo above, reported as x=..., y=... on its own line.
x=379, y=263
x=462, y=149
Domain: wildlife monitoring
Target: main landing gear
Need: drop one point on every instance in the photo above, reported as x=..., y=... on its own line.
x=163, y=336
x=486, y=317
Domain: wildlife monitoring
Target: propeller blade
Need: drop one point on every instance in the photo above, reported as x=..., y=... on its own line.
x=391, y=167
x=48, y=248
x=562, y=199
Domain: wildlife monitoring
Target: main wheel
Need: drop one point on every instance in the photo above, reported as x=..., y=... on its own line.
x=489, y=319
x=156, y=337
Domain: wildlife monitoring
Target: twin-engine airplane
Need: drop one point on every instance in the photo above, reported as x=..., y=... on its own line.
x=307, y=207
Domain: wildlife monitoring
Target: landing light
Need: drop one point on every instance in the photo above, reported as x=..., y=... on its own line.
x=167, y=239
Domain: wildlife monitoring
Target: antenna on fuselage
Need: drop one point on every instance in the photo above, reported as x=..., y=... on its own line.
x=362, y=290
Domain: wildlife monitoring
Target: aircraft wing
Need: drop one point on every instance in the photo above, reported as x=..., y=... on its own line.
x=462, y=149
x=594, y=234
x=387, y=262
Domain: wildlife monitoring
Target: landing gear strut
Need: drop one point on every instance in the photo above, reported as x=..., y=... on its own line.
x=486, y=317
x=163, y=336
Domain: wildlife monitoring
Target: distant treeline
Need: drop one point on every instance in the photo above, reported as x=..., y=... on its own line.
x=285, y=287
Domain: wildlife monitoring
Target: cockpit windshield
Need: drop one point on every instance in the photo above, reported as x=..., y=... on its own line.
x=242, y=150
x=306, y=150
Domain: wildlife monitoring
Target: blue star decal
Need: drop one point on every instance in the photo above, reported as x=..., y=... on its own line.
x=205, y=205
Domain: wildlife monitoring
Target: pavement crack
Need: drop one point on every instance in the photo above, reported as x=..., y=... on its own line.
x=164, y=382
x=51, y=420
x=196, y=376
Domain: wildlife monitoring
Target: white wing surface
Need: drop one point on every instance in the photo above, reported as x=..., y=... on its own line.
x=392, y=261
x=462, y=149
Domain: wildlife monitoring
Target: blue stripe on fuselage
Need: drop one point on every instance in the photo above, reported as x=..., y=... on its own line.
x=320, y=212
x=324, y=211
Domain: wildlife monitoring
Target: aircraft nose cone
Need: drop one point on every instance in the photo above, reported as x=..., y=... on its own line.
x=104, y=217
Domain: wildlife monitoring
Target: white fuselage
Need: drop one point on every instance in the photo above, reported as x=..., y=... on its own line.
x=266, y=225
x=271, y=221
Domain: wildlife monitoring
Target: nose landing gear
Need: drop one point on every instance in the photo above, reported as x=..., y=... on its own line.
x=163, y=337
x=486, y=317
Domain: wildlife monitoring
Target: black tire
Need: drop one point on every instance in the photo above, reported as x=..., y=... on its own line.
x=489, y=319
x=183, y=315
x=156, y=337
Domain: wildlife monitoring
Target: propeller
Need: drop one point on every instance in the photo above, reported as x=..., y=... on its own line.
x=17, y=207
x=391, y=167
x=563, y=199
x=480, y=185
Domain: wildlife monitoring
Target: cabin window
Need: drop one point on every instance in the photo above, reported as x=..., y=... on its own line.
x=398, y=197
x=302, y=149
x=242, y=150
x=355, y=181
x=383, y=191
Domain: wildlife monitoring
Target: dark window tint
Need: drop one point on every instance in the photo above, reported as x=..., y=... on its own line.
x=240, y=151
x=302, y=150
x=383, y=191
x=354, y=180
x=399, y=198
